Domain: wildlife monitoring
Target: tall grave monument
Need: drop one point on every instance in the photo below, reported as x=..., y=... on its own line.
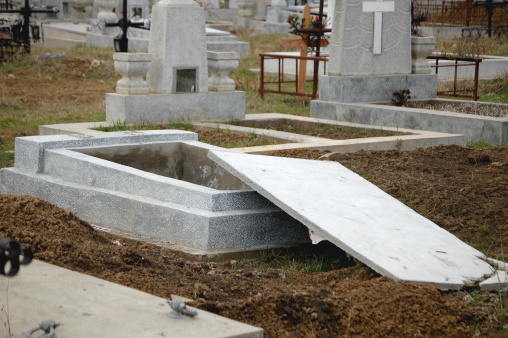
x=177, y=85
x=370, y=54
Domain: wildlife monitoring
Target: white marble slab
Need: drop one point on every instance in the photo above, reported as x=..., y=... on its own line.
x=342, y=207
x=498, y=282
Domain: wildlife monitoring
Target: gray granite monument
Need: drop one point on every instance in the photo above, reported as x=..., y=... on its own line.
x=370, y=54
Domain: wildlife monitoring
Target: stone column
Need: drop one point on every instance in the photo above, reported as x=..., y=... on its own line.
x=421, y=47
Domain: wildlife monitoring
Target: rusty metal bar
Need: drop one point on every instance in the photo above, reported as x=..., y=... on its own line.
x=262, y=78
x=296, y=74
x=455, y=77
x=476, y=77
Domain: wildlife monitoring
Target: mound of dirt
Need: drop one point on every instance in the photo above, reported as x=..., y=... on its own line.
x=462, y=190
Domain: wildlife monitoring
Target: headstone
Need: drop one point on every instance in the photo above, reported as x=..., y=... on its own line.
x=178, y=48
x=178, y=75
x=340, y=206
x=370, y=54
x=371, y=38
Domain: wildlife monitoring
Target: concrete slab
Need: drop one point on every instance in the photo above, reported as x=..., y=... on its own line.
x=91, y=307
x=340, y=206
x=497, y=282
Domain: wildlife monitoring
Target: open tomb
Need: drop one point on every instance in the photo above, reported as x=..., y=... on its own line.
x=154, y=184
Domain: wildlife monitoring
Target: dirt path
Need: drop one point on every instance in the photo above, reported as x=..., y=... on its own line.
x=462, y=190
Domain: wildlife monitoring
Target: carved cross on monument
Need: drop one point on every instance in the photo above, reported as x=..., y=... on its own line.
x=378, y=8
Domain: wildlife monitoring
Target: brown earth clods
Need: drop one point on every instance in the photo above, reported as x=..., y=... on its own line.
x=463, y=190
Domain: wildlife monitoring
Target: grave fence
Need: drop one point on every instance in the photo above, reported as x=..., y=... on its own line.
x=6, y=4
x=462, y=13
x=459, y=62
x=281, y=82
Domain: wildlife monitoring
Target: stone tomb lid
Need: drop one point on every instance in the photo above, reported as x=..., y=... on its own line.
x=340, y=206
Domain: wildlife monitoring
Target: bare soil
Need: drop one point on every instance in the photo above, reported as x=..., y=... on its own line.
x=463, y=190
x=334, y=132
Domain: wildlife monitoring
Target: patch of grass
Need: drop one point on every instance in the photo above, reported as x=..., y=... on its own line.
x=122, y=126
x=485, y=145
x=485, y=237
x=6, y=158
x=321, y=257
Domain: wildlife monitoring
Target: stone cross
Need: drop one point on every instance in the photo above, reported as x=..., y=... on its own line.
x=378, y=7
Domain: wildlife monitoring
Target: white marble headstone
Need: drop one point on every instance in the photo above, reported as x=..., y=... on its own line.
x=370, y=38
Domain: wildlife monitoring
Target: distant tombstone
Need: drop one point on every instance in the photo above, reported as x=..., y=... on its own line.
x=371, y=38
x=138, y=9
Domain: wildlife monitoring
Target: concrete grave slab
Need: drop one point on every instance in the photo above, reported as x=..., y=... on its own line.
x=86, y=306
x=340, y=206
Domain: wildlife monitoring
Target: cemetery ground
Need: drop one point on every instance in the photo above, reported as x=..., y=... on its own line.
x=309, y=291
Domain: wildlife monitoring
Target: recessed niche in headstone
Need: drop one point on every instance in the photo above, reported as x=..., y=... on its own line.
x=186, y=80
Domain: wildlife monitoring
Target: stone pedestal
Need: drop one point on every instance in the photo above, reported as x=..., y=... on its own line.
x=421, y=47
x=221, y=65
x=209, y=106
x=375, y=88
x=133, y=67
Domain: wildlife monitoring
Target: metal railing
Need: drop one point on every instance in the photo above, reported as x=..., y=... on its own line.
x=458, y=12
x=459, y=62
x=281, y=78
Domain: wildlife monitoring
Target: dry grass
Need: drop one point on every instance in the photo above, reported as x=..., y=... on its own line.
x=464, y=108
x=474, y=47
